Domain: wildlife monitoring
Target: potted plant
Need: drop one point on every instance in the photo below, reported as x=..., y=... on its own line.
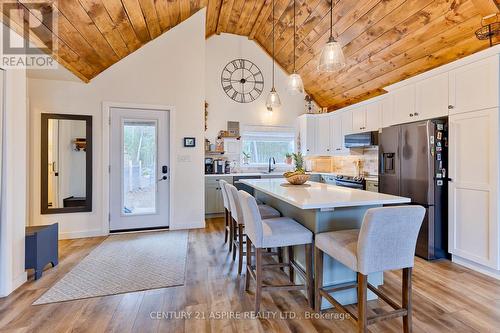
x=298, y=176
x=246, y=157
x=288, y=158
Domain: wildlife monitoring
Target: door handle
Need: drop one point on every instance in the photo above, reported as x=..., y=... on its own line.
x=163, y=178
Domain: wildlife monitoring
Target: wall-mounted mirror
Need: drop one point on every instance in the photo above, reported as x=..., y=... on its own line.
x=66, y=147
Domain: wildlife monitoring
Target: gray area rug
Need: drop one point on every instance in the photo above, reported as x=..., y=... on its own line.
x=125, y=263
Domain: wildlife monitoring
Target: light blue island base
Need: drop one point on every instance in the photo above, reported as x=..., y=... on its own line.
x=322, y=220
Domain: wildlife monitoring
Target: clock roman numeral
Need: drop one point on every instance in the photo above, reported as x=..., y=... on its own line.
x=227, y=88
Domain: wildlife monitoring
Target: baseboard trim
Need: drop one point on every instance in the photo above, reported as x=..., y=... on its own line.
x=82, y=234
x=193, y=225
x=16, y=283
x=476, y=267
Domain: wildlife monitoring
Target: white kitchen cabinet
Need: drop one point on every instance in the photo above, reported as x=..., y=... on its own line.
x=474, y=86
x=358, y=119
x=473, y=190
x=387, y=111
x=431, y=97
x=346, y=120
x=373, y=115
x=336, y=136
x=323, y=145
x=404, y=104
x=308, y=127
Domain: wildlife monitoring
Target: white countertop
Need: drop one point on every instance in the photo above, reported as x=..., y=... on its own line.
x=320, y=195
x=256, y=173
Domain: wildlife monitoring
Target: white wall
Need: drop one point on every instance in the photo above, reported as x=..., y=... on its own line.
x=14, y=180
x=221, y=49
x=169, y=71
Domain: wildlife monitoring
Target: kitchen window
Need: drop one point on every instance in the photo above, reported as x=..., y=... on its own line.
x=260, y=143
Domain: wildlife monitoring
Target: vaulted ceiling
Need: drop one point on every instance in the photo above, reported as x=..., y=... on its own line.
x=384, y=41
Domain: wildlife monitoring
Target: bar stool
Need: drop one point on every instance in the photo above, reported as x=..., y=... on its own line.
x=265, y=211
x=270, y=233
x=386, y=241
x=222, y=182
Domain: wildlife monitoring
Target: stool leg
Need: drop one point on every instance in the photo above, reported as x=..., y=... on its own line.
x=407, y=286
x=280, y=257
x=240, y=248
x=258, y=273
x=231, y=232
x=226, y=225
x=309, y=276
x=290, y=268
x=318, y=278
x=249, y=264
x=235, y=237
x=362, y=298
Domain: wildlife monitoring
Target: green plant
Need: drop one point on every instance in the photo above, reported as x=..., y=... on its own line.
x=299, y=161
x=288, y=155
x=247, y=155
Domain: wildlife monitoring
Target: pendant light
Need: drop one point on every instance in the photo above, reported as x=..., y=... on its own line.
x=295, y=85
x=332, y=57
x=273, y=99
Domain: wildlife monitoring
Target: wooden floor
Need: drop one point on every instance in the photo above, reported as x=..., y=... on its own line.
x=447, y=298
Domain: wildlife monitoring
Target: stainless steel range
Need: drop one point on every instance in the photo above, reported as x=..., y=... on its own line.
x=349, y=181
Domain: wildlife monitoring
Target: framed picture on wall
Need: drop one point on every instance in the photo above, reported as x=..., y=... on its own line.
x=189, y=142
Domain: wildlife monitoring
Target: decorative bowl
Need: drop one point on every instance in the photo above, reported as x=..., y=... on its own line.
x=298, y=179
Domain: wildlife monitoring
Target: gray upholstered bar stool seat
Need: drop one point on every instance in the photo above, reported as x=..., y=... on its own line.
x=271, y=233
x=237, y=221
x=386, y=241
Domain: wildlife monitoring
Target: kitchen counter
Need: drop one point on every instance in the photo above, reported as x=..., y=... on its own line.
x=320, y=195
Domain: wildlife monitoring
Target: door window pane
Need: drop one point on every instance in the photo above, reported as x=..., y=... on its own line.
x=139, y=167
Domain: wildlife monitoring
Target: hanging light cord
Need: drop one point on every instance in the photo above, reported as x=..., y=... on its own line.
x=331, y=19
x=273, y=44
x=294, y=36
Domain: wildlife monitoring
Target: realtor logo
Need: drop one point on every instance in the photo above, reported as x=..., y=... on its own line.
x=28, y=37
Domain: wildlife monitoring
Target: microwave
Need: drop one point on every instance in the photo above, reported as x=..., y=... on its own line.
x=361, y=140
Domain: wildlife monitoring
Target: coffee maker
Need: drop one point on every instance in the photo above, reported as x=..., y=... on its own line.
x=209, y=165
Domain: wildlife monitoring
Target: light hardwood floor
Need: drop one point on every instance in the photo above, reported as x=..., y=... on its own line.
x=447, y=298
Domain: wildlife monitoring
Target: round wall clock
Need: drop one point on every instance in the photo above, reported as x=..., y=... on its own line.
x=242, y=81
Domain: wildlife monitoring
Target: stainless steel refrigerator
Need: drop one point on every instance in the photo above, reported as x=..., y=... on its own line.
x=413, y=163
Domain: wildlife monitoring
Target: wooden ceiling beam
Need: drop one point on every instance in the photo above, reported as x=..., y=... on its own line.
x=213, y=11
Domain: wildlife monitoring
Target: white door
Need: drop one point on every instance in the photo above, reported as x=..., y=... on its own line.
x=473, y=189
x=139, y=170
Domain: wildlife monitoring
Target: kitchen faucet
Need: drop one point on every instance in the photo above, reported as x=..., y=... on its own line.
x=271, y=169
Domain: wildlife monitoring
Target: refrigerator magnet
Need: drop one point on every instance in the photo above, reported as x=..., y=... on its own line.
x=432, y=139
x=438, y=175
x=439, y=183
x=438, y=157
x=438, y=143
x=439, y=148
x=439, y=135
x=440, y=127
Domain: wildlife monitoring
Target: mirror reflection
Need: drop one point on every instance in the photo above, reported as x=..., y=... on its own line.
x=67, y=181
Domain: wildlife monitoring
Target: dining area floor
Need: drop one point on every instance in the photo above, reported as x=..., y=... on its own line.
x=446, y=298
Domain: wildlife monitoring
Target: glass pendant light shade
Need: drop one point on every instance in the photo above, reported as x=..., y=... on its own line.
x=273, y=99
x=332, y=57
x=295, y=85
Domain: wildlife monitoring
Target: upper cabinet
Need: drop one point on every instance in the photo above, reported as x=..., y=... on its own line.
x=474, y=86
x=336, y=137
x=387, y=111
x=323, y=138
x=431, y=97
x=404, y=104
x=308, y=126
x=367, y=118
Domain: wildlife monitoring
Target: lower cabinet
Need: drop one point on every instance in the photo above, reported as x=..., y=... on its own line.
x=473, y=189
x=214, y=204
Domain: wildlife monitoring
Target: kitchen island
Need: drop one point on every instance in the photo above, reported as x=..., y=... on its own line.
x=322, y=207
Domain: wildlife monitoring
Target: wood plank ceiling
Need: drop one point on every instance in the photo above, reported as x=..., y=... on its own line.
x=384, y=41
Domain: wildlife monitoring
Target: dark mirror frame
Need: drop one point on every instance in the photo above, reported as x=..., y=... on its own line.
x=45, y=164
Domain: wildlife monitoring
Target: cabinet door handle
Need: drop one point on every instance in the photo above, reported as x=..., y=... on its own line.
x=411, y=114
x=416, y=113
x=450, y=107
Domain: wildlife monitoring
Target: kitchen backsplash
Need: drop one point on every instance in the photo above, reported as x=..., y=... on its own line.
x=367, y=159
